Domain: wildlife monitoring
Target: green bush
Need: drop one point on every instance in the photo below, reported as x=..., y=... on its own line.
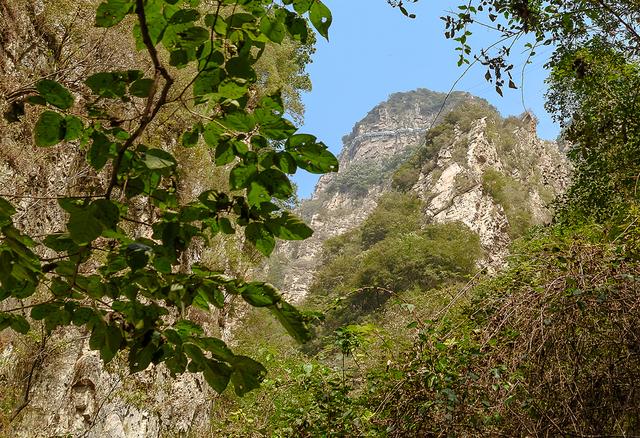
x=514, y=198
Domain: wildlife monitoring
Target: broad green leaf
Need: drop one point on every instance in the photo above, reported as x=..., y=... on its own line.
x=140, y=358
x=247, y=374
x=217, y=375
x=156, y=22
x=113, y=340
x=55, y=94
x=184, y=16
x=19, y=324
x=320, y=17
x=137, y=255
x=158, y=159
x=186, y=328
x=273, y=28
x=285, y=162
x=260, y=294
x=107, y=212
x=100, y=150
x=216, y=347
x=302, y=6
x=212, y=133
x=241, y=175
x=231, y=90
x=257, y=193
x=315, y=158
x=49, y=129
x=207, y=81
x=239, y=121
x=112, y=12
x=73, y=128
x=141, y=87
x=60, y=242
x=289, y=227
x=276, y=183
x=190, y=138
x=263, y=240
x=224, y=153
x=109, y=84
x=6, y=209
x=291, y=319
x=83, y=227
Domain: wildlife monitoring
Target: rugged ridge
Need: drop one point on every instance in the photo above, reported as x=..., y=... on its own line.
x=450, y=166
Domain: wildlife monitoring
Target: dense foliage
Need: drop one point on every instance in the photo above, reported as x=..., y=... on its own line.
x=134, y=290
x=548, y=346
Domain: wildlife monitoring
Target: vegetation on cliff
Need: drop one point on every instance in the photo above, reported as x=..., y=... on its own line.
x=412, y=339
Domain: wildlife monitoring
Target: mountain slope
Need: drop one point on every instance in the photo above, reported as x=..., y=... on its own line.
x=473, y=166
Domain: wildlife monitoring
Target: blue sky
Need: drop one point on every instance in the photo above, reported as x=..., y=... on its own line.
x=373, y=51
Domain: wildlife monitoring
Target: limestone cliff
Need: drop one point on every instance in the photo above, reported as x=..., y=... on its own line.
x=493, y=174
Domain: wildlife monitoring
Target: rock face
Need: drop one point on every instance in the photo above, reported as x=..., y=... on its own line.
x=473, y=166
x=55, y=385
x=375, y=148
x=463, y=187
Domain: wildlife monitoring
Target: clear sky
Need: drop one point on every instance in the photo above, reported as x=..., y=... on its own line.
x=374, y=50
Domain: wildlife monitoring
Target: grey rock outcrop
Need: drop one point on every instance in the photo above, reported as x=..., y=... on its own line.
x=453, y=183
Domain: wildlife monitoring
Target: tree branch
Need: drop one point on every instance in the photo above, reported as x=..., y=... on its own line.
x=151, y=110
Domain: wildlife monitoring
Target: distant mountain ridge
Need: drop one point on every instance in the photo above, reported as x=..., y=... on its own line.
x=467, y=168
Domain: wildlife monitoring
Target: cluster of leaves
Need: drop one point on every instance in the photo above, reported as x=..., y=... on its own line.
x=514, y=198
x=565, y=24
x=135, y=293
x=594, y=93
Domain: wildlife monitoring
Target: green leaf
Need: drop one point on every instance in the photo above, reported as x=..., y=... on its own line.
x=289, y=227
x=190, y=138
x=6, y=209
x=207, y=82
x=276, y=183
x=260, y=294
x=247, y=374
x=49, y=129
x=257, y=193
x=112, y=12
x=285, y=162
x=263, y=240
x=100, y=150
x=212, y=133
x=156, y=159
x=55, y=94
x=19, y=324
x=224, y=153
x=302, y=6
x=315, y=158
x=216, y=347
x=83, y=227
x=186, y=328
x=241, y=175
x=291, y=319
x=109, y=84
x=137, y=255
x=239, y=121
x=320, y=17
x=141, y=87
x=184, y=16
x=217, y=375
x=273, y=28
x=73, y=128
x=113, y=340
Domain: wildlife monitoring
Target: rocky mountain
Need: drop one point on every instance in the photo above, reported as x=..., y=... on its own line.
x=470, y=164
